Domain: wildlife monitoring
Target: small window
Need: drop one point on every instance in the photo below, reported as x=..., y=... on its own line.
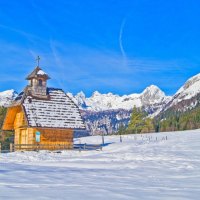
x=30, y=83
x=40, y=82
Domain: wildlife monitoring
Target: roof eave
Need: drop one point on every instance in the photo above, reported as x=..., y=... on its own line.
x=38, y=76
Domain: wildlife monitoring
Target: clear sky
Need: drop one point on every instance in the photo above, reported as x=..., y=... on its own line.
x=118, y=46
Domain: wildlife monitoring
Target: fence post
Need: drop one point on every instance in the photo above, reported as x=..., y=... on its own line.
x=11, y=147
x=120, y=138
x=0, y=147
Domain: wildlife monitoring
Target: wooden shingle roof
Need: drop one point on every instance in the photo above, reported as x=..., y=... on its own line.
x=58, y=111
x=37, y=72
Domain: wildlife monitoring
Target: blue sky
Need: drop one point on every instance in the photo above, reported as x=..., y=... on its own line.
x=118, y=46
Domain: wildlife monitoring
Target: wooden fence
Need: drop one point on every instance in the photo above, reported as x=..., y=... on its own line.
x=87, y=147
x=37, y=147
x=52, y=147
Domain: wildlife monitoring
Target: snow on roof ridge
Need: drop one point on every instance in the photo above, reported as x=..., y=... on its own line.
x=41, y=72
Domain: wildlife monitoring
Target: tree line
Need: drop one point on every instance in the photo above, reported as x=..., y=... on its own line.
x=170, y=121
x=5, y=137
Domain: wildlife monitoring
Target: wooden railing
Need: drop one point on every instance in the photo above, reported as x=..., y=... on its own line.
x=37, y=147
x=87, y=147
x=51, y=147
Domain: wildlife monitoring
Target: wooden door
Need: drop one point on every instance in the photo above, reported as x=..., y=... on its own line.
x=23, y=137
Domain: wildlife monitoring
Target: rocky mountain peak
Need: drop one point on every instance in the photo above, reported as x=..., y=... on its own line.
x=6, y=97
x=192, y=81
x=190, y=89
x=81, y=95
x=79, y=99
x=96, y=93
x=152, y=94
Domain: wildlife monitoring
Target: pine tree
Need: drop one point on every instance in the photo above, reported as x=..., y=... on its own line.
x=136, y=121
x=148, y=126
x=122, y=129
x=5, y=137
x=2, y=115
x=174, y=121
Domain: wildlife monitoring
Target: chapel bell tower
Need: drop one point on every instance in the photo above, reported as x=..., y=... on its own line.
x=38, y=82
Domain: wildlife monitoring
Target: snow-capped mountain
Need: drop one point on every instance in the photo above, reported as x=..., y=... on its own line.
x=152, y=100
x=107, y=111
x=187, y=97
x=152, y=95
x=190, y=89
x=6, y=97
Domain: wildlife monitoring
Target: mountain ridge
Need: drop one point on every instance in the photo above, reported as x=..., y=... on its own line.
x=110, y=110
x=101, y=102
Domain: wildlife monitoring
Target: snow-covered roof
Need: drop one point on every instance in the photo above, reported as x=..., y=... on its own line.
x=37, y=72
x=58, y=111
x=41, y=72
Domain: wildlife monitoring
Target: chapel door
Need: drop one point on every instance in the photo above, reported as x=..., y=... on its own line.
x=24, y=137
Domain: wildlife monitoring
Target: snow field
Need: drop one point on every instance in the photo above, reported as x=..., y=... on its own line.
x=145, y=168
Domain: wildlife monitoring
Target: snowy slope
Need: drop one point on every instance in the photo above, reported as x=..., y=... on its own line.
x=152, y=95
x=190, y=88
x=137, y=168
x=6, y=97
x=187, y=97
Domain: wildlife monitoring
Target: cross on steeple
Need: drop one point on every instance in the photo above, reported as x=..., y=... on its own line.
x=38, y=61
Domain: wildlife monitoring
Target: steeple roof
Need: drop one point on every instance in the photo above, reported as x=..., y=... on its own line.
x=36, y=73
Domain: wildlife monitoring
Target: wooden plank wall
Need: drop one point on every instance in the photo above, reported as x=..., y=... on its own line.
x=10, y=118
x=49, y=137
x=15, y=119
x=56, y=135
x=19, y=120
x=17, y=136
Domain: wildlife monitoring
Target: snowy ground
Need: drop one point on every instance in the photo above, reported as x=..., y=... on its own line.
x=133, y=169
